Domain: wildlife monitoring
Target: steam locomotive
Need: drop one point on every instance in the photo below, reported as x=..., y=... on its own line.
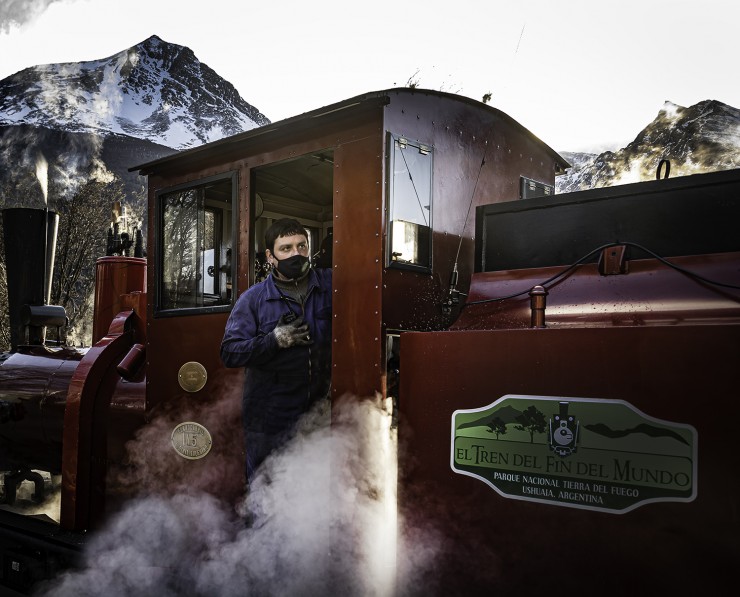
x=553, y=359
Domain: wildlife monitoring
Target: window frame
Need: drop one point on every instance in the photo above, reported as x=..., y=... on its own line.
x=426, y=149
x=159, y=283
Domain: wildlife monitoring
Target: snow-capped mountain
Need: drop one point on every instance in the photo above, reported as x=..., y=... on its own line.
x=155, y=91
x=702, y=138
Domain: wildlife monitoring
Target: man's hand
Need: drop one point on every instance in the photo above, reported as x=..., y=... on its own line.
x=291, y=333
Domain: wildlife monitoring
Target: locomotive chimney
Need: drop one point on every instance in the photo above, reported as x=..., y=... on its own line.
x=30, y=241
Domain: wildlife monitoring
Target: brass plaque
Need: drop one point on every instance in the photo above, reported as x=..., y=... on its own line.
x=192, y=376
x=191, y=440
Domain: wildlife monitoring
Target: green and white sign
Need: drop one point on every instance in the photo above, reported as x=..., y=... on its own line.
x=595, y=454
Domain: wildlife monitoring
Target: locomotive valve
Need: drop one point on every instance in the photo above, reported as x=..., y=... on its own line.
x=538, y=301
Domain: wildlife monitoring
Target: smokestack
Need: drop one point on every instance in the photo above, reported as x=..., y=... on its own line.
x=30, y=242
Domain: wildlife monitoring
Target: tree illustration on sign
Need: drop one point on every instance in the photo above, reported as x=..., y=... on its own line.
x=532, y=421
x=497, y=426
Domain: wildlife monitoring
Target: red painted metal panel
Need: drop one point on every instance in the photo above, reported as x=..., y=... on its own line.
x=357, y=349
x=114, y=278
x=684, y=374
x=480, y=155
x=85, y=428
x=650, y=294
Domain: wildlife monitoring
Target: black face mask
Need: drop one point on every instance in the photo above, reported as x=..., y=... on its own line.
x=293, y=267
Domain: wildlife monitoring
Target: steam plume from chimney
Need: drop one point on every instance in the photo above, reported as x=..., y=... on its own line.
x=42, y=174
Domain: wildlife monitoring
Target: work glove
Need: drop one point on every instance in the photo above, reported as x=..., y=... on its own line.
x=291, y=331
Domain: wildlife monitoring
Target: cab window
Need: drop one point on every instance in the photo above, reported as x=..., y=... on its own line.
x=410, y=204
x=195, y=234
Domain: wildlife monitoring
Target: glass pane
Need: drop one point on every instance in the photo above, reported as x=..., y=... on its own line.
x=182, y=221
x=209, y=255
x=411, y=203
x=196, y=230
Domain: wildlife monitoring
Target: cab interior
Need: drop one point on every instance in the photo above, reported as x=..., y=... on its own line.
x=299, y=188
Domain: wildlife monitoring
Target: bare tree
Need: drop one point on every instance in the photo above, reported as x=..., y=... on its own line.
x=83, y=224
x=4, y=316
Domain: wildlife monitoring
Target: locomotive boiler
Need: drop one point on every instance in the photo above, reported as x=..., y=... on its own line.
x=554, y=359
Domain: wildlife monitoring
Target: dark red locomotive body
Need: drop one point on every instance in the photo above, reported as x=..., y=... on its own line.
x=627, y=317
x=457, y=270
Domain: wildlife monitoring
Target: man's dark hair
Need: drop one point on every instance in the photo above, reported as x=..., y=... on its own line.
x=283, y=227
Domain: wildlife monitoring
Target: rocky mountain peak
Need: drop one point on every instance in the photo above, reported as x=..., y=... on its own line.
x=155, y=90
x=704, y=137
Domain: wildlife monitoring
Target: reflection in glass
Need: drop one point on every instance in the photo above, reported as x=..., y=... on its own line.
x=410, y=203
x=182, y=219
x=195, y=260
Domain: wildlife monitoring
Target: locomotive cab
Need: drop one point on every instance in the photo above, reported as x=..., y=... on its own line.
x=386, y=183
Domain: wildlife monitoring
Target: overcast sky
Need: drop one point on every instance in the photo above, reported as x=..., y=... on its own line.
x=580, y=74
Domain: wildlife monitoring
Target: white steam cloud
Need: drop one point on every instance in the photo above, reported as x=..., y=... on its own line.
x=325, y=520
x=20, y=12
x=66, y=105
x=42, y=174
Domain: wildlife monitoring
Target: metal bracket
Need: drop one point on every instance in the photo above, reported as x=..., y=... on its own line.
x=613, y=261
